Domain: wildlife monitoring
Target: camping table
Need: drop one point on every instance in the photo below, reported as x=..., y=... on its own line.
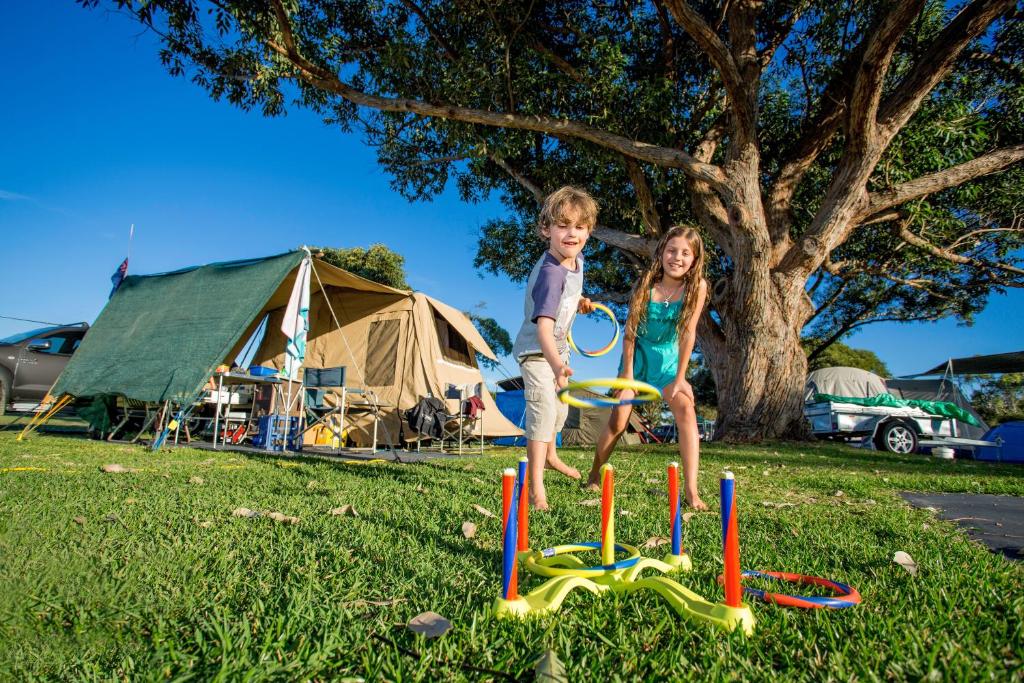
x=364, y=405
x=231, y=378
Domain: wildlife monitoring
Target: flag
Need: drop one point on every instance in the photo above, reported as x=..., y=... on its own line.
x=295, y=324
x=119, y=275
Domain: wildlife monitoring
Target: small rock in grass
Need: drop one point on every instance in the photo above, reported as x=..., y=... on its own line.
x=484, y=511
x=79, y=520
x=195, y=480
x=906, y=561
x=687, y=516
x=114, y=468
x=654, y=542
x=838, y=494
x=625, y=513
x=590, y=502
x=281, y=517
x=244, y=512
x=206, y=525
x=345, y=511
x=111, y=519
x=468, y=530
x=429, y=624
x=130, y=501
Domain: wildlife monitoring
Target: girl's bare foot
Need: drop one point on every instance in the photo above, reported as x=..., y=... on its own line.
x=559, y=466
x=696, y=503
x=539, y=504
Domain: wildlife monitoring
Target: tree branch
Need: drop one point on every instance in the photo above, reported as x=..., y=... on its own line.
x=526, y=183
x=716, y=50
x=936, y=62
x=324, y=79
x=623, y=240
x=777, y=34
x=644, y=198
x=867, y=87
x=633, y=244
x=903, y=231
x=434, y=33
x=942, y=180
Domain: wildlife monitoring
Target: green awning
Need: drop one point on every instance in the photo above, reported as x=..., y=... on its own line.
x=160, y=337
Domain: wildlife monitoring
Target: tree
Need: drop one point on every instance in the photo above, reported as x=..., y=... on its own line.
x=495, y=335
x=1000, y=399
x=841, y=355
x=378, y=263
x=848, y=162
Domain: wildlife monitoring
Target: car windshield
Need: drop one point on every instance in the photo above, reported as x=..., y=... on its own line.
x=22, y=336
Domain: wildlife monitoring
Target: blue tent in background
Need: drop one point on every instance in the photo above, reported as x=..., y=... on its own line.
x=1012, y=450
x=512, y=404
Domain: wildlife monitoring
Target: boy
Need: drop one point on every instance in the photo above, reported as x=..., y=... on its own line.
x=553, y=297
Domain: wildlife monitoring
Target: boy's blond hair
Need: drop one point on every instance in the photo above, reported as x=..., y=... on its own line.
x=555, y=203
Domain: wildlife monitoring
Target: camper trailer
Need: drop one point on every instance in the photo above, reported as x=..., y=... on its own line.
x=897, y=429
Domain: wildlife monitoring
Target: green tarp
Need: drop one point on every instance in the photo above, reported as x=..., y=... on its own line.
x=160, y=337
x=939, y=408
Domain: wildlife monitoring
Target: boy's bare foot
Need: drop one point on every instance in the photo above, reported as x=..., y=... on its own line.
x=696, y=503
x=539, y=504
x=559, y=466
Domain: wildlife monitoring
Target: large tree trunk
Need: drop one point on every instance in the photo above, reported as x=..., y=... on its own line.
x=759, y=366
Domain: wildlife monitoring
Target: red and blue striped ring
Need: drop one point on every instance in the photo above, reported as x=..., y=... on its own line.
x=846, y=596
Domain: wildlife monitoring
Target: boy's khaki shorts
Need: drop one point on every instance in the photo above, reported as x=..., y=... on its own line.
x=545, y=414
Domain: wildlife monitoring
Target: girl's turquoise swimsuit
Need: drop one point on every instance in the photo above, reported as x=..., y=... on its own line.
x=656, y=352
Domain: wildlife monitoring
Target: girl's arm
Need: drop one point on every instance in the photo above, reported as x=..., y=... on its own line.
x=686, y=342
x=628, y=349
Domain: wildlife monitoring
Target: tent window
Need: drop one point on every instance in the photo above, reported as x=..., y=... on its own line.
x=382, y=353
x=453, y=345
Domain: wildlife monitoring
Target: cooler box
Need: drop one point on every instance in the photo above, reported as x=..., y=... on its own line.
x=272, y=431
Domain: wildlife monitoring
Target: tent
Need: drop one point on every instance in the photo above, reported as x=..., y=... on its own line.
x=1012, y=447
x=840, y=381
x=857, y=383
x=980, y=365
x=582, y=426
x=160, y=337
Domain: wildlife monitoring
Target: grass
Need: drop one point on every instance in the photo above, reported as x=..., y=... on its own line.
x=157, y=579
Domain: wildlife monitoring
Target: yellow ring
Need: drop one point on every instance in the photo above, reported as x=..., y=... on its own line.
x=533, y=564
x=645, y=392
x=609, y=346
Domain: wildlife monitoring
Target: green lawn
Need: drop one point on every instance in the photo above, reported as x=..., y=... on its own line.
x=146, y=575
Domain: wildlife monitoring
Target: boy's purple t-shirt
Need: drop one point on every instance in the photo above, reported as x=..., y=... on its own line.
x=553, y=291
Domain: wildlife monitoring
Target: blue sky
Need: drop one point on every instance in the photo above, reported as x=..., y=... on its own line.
x=96, y=136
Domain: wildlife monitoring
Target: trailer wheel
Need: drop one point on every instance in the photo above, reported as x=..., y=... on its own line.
x=896, y=437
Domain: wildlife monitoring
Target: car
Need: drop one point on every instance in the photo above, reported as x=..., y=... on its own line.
x=30, y=362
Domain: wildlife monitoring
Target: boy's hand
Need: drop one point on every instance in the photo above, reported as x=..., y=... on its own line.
x=585, y=305
x=562, y=377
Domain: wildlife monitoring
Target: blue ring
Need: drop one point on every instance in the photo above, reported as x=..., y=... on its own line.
x=624, y=563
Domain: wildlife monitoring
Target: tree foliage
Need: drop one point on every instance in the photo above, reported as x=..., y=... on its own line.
x=495, y=335
x=847, y=162
x=1000, y=399
x=377, y=263
x=841, y=355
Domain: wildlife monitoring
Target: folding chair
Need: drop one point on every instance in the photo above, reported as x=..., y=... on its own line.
x=461, y=427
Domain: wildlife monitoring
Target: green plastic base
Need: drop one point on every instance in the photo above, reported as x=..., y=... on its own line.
x=548, y=597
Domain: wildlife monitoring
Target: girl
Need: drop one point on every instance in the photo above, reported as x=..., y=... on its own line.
x=660, y=332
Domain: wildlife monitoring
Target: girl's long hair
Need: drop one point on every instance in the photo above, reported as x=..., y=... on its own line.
x=641, y=295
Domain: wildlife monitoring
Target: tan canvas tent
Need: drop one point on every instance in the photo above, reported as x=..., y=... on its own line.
x=400, y=345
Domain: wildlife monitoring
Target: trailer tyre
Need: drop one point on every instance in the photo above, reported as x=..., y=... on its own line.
x=896, y=437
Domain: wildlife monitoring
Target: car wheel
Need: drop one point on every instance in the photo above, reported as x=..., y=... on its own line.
x=896, y=437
